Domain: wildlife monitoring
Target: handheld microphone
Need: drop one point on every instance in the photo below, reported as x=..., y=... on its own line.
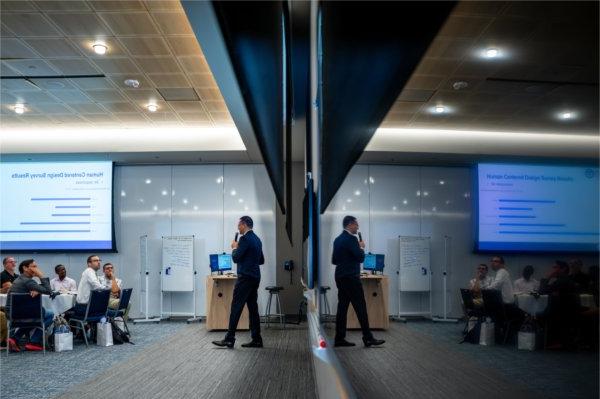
x=236, y=237
x=359, y=236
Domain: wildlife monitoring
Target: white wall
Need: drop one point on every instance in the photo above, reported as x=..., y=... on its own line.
x=200, y=200
x=409, y=200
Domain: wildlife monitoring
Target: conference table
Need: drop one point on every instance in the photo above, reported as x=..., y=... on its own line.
x=60, y=304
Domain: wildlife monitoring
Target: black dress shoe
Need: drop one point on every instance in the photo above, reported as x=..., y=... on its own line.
x=373, y=342
x=343, y=342
x=226, y=343
x=253, y=344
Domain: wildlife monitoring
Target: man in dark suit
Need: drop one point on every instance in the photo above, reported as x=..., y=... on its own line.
x=348, y=254
x=247, y=253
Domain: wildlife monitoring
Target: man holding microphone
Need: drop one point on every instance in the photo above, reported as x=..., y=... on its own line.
x=348, y=254
x=247, y=253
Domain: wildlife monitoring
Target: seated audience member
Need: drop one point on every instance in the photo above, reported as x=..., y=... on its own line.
x=580, y=280
x=8, y=275
x=527, y=283
x=25, y=284
x=110, y=281
x=3, y=329
x=89, y=281
x=502, y=281
x=62, y=283
x=481, y=281
x=563, y=305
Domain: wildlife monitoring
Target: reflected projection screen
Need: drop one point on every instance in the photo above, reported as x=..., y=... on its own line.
x=537, y=208
x=56, y=206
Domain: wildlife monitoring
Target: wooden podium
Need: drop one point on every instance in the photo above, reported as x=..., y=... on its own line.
x=376, y=288
x=219, y=293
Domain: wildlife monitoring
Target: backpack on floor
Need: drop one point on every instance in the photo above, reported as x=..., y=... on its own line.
x=473, y=332
x=119, y=336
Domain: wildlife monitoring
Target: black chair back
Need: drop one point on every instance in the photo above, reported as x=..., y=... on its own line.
x=125, y=297
x=24, y=308
x=98, y=304
x=467, y=298
x=493, y=304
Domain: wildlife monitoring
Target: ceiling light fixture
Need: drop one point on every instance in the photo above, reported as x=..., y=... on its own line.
x=566, y=115
x=132, y=83
x=19, y=108
x=440, y=109
x=152, y=107
x=491, y=52
x=99, y=48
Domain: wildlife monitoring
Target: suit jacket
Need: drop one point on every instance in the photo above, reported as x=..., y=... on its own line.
x=249, y=255
x=347, y=255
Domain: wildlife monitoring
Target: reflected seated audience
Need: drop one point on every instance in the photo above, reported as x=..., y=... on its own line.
x=526, y=284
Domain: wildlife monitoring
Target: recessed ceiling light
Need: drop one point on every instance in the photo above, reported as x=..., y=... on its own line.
x=459, y=85
x=132, y=83
x=491, y=52
x=148, y=181
x=440, y=109
x=99, y=48
x=566, y=115
x=19, y=108
x=152, y=107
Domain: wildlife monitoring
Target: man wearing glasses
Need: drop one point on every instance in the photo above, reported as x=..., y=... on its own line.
x=481, y=281
x=111, y=282
x=89, y=281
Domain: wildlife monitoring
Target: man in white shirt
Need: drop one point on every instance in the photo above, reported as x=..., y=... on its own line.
x=527, y=283
x=89, y=281
x=110, y=281
x=502, y=280
x=62, y=283
x=481, y=282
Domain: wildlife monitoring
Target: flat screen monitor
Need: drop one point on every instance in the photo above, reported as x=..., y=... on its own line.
x=224, y=262
x=370, y=262
x=56, y=207
x=536, y=208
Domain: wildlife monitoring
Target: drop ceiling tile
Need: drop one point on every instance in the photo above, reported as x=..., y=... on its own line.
x=36, y=119
x=415, y=95
x=93, y=83
x=116, y=65
x=6, y=71
x=399, y=117
x=18, y=5
x=187, y=106
x=146, y=46
x=472, y=83
x=68, y=119
x=80, y=24
x=436, y=66
x=477, y=68
x=159, y=5
x=448, y=97
x=193, y=65
x=162, y=116
x=100, y=118
x=130, y=23
x=203, y=80
x=70, y=5
x=120, y=107
x=74, y=66
x=54, y=84
x=426, y=82
x=114, y=48
x=449, y=48
x=194, y=116
x=6, y=98
x=53, y=47
x=406, y=107
x=15, y=48
x=158, y=65
x=184, y=45
x=91, y=108
x=120, y=5
x=173, y=23
x=212, y=106
x=489, y=8
x=142, y=95
x=31, y=67
x=34, y=97
x=507, y=28
x=169, y=80
x=18, y=85
x=142, y=103
x=71, y=96
x=106, y=95
x=209, y=94
x=464, y=26
x=53, y=108
x=220, y=117
x=131, y=117
x=4, y=32
x=28, y=24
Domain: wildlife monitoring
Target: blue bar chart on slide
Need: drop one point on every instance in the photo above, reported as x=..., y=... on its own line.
x=531, y=207
x=56, y=206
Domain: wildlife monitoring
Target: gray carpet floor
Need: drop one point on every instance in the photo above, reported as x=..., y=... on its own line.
x=553, y=374
x=187, y=365
x=413, y=365
x=28, y=375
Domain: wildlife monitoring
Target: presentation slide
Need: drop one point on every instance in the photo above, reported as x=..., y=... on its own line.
x=537, y=208
x=56, y=206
